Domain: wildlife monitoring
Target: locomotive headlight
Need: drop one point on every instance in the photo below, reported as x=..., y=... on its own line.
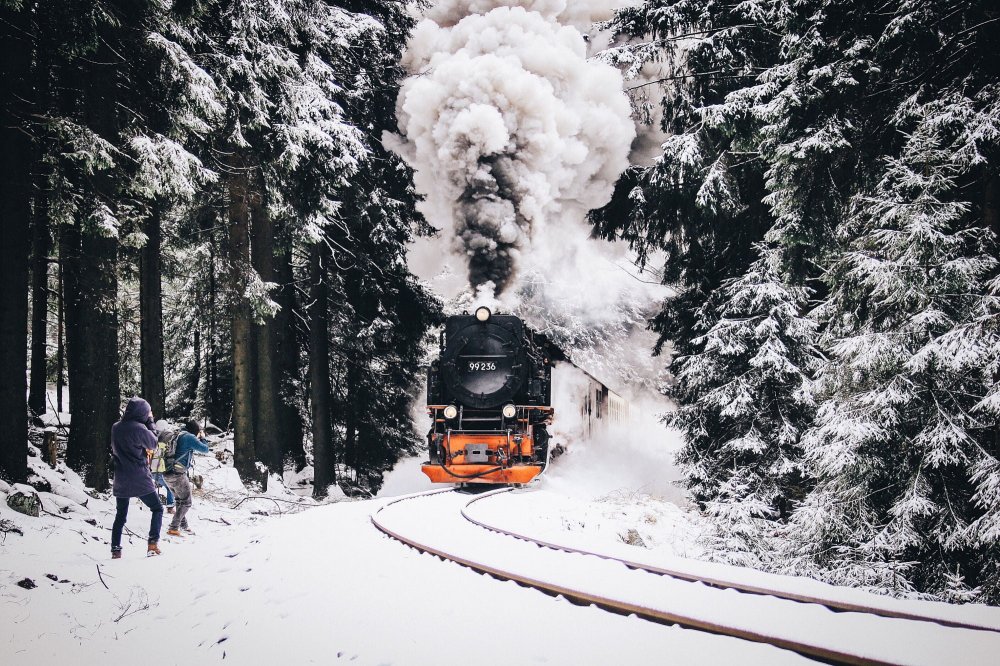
x=483, y=314
x=450, y=412
x=509, y=411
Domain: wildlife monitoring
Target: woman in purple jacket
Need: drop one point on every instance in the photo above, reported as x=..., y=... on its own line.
x=132, y=442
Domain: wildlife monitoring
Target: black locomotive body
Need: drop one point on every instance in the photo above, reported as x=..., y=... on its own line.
x=490, y=397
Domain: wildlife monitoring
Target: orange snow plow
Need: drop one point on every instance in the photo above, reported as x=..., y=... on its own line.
x=487, y=457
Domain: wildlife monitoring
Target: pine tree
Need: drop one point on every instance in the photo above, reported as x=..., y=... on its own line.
x=882, y=119
x=903, y=450
x=864, y=106
x=700, y=202
x=744, y=351
x=382, y=316
x=820, y=127
x=745, y=399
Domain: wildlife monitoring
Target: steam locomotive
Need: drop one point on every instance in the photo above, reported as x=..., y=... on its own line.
x=489, y=395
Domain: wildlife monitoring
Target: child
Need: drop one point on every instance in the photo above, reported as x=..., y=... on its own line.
x=157, y=467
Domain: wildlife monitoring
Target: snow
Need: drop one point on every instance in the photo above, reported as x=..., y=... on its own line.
x=275, y=577
x=304, y=587
x=602, y=526
x=405, y=478
x=884, y=640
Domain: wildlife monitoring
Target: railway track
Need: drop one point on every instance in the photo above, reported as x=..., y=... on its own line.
x=440, y=523
x=882, y=606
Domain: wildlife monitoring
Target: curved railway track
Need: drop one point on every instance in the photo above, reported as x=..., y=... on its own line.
x=720, y=582
x=439, y=523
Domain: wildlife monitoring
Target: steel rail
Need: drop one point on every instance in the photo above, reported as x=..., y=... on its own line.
x=658, y=615
x=835, y=605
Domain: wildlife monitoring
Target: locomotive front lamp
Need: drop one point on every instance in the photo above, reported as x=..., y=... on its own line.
x=483, y=314
x=509, y=411
x=450, y=412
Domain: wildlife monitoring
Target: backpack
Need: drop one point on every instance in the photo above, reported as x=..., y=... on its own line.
x=166, y=450
x=156, y=465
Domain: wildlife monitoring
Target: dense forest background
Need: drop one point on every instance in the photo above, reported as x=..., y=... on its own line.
x=197, y=207
x=199, y=194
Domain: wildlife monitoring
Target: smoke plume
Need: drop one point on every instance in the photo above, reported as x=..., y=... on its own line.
x=510, y=129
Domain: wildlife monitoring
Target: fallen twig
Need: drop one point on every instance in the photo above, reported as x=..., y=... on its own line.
x=54, y=514
x=136, y=596
x=265, y=497
x=7, y=526
x=220, y=520
x=102, y=578
x=56, y=412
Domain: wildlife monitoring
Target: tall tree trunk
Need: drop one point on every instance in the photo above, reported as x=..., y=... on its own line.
x=60, y=347
x=96, y=396
x=991, y=219
x=268, y=433
x=15, y=218
x=69, y=260
x=41, y=235
x=95, y=383
x=350, y=415
x=199, y=409
x=244, y=452
x=151, y=315
x=324, y=461
x=40, y=247
x=991, y=203
x=288, y=358
x=210, y=381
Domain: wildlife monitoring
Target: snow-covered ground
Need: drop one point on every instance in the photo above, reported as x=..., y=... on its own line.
x=280, y=579
x=267, y=581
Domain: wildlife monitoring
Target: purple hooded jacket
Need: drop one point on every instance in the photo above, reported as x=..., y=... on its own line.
x=131, y=437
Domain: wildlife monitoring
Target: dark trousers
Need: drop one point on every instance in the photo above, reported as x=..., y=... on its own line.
x=151, y=500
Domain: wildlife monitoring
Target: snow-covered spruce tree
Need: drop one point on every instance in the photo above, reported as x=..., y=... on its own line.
x=196, y=344
x=178, y=103
x=700, y=201
x=90, y=128
x=820, y=126
x=744, y=352
x=745, y=399
x=903, y=451
x=380, y=313
x=282, y=133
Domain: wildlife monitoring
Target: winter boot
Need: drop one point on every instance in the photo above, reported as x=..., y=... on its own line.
x=170, y=509
x=173, y=531
x=116, y=554
x=152, y=549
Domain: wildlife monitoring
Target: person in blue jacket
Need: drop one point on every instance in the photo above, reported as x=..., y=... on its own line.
x=132, y=444
x=187, y=445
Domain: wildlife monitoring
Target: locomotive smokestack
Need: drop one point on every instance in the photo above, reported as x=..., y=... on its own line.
x=508, y=126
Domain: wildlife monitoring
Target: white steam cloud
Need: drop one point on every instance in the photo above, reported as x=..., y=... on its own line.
x=514, y=135
x=509, y=127
x=580, y=14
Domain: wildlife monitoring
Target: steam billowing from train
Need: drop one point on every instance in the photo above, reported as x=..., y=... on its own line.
x=509, y=127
